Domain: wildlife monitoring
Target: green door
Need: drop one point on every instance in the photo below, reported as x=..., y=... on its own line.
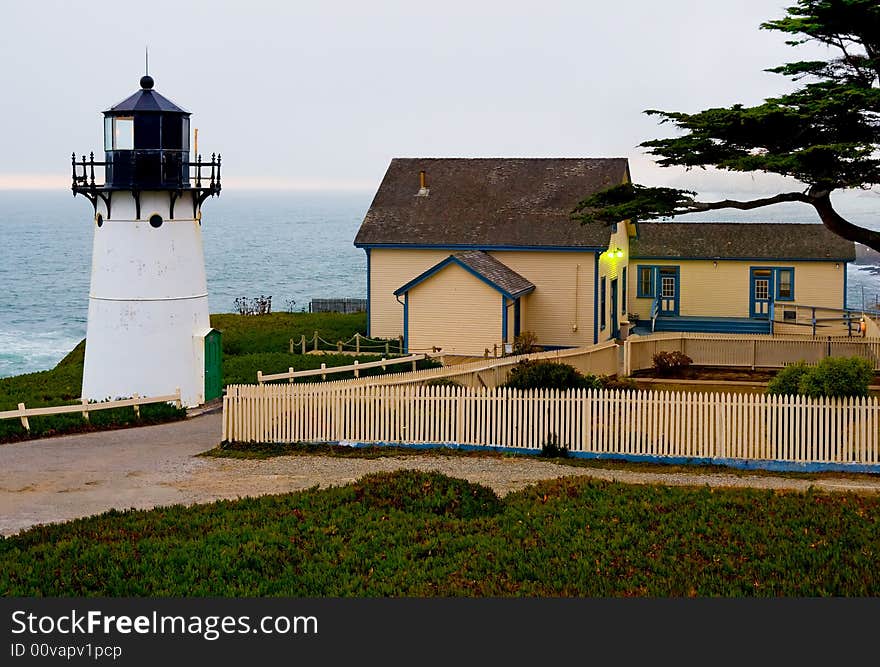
x=213, y=365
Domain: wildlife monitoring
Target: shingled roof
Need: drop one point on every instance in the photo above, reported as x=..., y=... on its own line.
x=739, y=240
x=490, y=270
x=488, y=202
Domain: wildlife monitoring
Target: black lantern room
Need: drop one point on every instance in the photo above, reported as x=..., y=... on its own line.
x=146, y=141
x=146, y=147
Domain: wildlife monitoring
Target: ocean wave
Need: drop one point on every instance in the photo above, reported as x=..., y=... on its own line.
x=28, y=351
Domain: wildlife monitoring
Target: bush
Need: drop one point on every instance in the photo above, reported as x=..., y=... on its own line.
x=614, y=382
x=788, y=379
x=832, y=377
x=442, y=382
x=552, y=449
x=671, y=363
x=418, y=492
x=549, y=375
x=526, y=343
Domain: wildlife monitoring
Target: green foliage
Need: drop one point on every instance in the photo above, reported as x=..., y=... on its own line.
x=418, y=492
x=788, y=379
x=568, y=537
x=632, y=202
x=549, y=375
x=552, y=449
x=832, y=377
x=824, y=133
x=526, y=343
x=671, y=363
x=442, y=382
x=244, y=334
x=619, y=383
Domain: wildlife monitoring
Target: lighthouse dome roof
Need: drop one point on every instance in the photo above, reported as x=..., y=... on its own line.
x=146, y=99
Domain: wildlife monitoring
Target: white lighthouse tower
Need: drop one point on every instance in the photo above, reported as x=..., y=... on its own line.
x=148, y=327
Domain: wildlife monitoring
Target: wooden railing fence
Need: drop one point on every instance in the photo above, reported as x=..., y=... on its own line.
x=86, y=407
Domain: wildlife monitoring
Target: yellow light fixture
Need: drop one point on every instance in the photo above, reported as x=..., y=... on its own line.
x=619, y=252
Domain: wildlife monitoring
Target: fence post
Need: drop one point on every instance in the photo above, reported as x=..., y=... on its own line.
x=24, y=420
x=383, y=359
x=357, y=342
x=316, y=341
x=259, y=377
x=414, y=365
x=290, y=372
x=386, y=348
x=400, y=342
x=178, y=402
x=339, y=346
x=323, y=375
x=137, y=408
x=303, y=341
x=754, y=352
x=357, y=372
x=291, y=346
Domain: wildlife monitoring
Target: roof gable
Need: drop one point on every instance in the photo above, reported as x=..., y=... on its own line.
x=739, y=240
x=491, y=271
x=489, y=202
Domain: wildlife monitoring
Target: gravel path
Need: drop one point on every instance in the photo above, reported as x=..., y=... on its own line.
x=62, y=478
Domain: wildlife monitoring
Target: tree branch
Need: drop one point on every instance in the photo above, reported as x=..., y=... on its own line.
x=698, y=206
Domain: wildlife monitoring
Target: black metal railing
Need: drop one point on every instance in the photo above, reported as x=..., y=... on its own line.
x=142, y=169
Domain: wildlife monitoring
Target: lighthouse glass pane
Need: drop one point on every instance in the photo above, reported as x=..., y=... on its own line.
x=108, y=134
x=123, y=134
x=185, y=134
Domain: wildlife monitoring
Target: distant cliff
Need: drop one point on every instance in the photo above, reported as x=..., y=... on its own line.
x=864, y=255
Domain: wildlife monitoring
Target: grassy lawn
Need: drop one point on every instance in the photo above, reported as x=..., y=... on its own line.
x=422, y=534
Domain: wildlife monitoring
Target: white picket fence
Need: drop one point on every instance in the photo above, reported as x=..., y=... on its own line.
x=641, y=423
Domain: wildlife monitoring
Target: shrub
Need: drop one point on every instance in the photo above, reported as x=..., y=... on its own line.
x=788, y=379
x=552, y=448
x=614, y=382
x=526, y=343
x=670, y=363
x=549, y=375
x=418, y=492
x=442, y=382
x=841, y=376
x=832, y=377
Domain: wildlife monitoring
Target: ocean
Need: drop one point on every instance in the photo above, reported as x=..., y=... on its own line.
x=292, y=246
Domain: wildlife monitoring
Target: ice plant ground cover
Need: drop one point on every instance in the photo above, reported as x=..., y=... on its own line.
x=410, y=533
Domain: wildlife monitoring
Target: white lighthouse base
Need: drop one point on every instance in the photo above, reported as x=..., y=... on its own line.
x=149, y=348
x=148, y=303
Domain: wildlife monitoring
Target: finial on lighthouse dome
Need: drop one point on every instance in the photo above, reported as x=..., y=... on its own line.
x=147, y=82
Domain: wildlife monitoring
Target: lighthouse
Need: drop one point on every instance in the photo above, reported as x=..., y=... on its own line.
x=148, y=330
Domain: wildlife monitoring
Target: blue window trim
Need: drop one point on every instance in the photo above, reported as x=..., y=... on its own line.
x=517, y=315
x=777, y=270
x=406, y=323
x=623, y=293
x=639, y=292
x=503, y=319
x=367, y=250
x=603, y=303
x=658, y=288
x=772, y=290
x=452, y=259
x=843, y=264
x=596, y=298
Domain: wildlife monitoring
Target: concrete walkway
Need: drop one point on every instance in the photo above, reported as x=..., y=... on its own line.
x=58, y=479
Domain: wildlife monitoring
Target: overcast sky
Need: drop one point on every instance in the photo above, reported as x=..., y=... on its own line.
x=323, y=94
